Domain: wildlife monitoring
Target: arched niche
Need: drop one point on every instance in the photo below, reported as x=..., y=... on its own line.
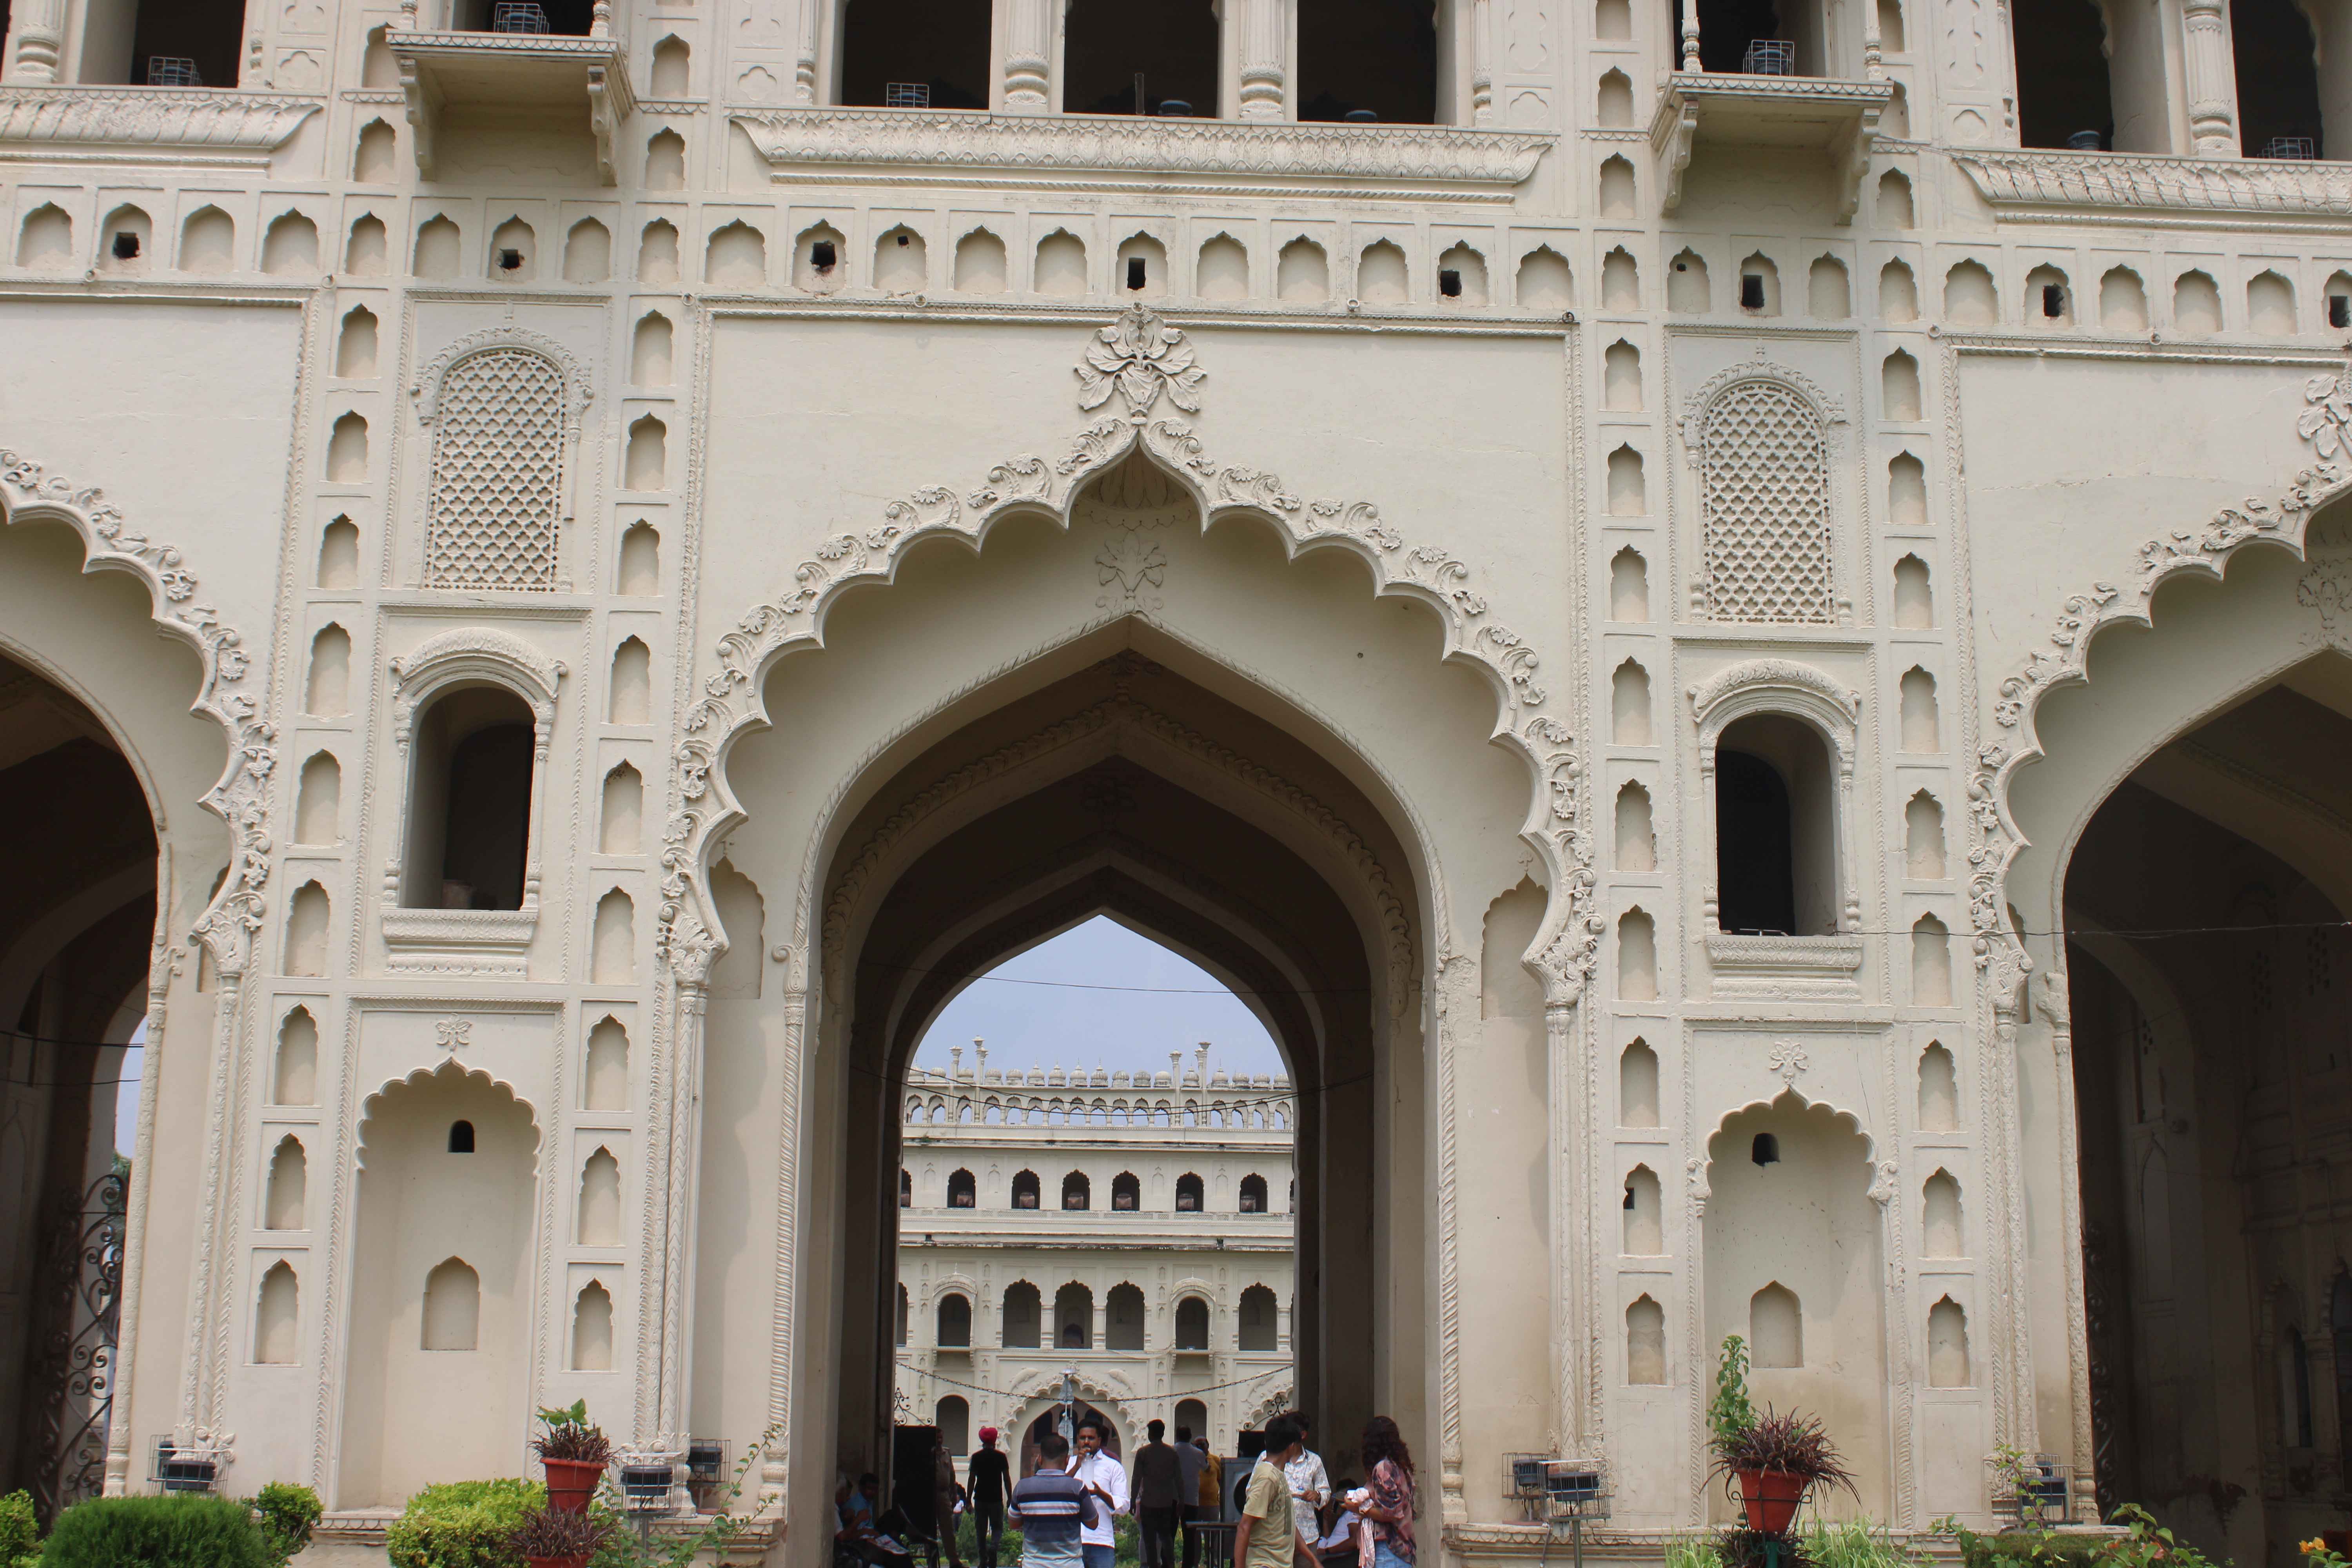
x=419, y=1207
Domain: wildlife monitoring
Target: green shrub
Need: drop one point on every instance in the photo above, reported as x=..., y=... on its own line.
x=287, y=1512
x=166, y=1532
x=463, y=1524
x=20, y=1532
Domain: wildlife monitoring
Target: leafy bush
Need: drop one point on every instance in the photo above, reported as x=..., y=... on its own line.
x=1854, y=1543
x=166, y=1532
x=20, y=1532
x=463, y=1524
x=2145, y=1543
x=287, y=1512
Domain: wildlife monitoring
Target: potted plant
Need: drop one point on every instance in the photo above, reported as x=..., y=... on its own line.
x=575, y=1454
x=548, y=1538
x=1776, y=1458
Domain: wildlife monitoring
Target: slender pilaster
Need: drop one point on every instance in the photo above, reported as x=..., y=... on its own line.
x=1266, y=74
x=804, y=53
x=1482, y=63
x=2212, y=108
x=1029, y=55
x=40, y=42
x=1690, y=53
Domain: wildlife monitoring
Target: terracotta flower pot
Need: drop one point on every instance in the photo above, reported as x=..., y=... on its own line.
x=570, y=1484
x=1771, y=1499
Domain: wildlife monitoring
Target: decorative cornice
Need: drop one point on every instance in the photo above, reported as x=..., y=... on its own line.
x=241, y=797
x=468, y=646
x=2028, y=186
x=1125, y=152
x=1781, y=673
x=146, y=124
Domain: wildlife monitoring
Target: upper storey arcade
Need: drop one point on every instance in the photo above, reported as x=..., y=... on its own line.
x=2049, y=107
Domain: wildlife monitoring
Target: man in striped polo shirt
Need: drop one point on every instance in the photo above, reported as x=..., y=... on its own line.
x=1050, y=1508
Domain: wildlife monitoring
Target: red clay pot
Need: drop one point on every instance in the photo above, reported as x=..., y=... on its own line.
x=570, y=1484
x=1770, y=1498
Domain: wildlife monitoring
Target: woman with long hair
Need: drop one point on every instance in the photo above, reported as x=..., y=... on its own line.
x=1389, y=1512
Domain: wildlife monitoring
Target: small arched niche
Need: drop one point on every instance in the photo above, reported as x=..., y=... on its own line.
x=1915, y=597
x=1637, y=839
x=1644, y=1228
x=1060, y=268
x=1931, y=963
x=621, y=828
x=45, y=241
x=902, y=262
x=355, y=345
x=2196, y=304
x=605, y=1085
x=126, y=242
x=1923, y=839
x=347, y=451
x=657, y=253
x=1544, y=281
x=277, y=1315
x=1141, y=267
x=980, y=264
x=318, y=800
x=672, y=70
x=1637, y=1086
x=649, y=350
x=1759, y=286
x=1628, y=486
x=439, y=249
x=613, y=940
x=1899, y=388
x=1646, y=1341
x=1613, y=99
x=665, y=161
x=1302, y=273
x=1947, y=1346
x=1775, y=1328
x=1620, y=281
x=309, y=921
x=736, y=256
x=1221, y=270
x=1637, y=956
x=1939, y=1224
x=1899, y=293
x=2123, y=301
x=1939, y=1094
x=1260, y=1325
x=290, y=246
x=646, y=465
x=1895, y=210
x=640, y=573
x=1970, y=298
x=208, y=242
x=1629, y=587
x=1629, y=705
x=587, y=252
x=452, y=1318
x=367, y=252
x=1462, y=276
x=1686, y=285
x=286, y=1197
x=592, y=1329
x=1907, y=490
x=630, y=696
x=1621, y=378
x=1381, y=277
x=1620, y=195
x=294, y=1078
x=1828, y=290
x=600, y=1200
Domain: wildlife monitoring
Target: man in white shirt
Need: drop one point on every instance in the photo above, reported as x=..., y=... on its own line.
x=1309, y=1483
x=1105, y=1479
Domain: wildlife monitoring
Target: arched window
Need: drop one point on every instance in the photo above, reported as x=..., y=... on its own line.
x=954, y=1321
x=1192, y=1419
x=905, y=1189
x=1126, y=1193
x=1261, y=1320
x=469, y=805
x=1023, y=1314
x=902, y=1317
x=1188, y=1193
x=1764, y=506
x=1074, y=1318
x=915, y=54
x=1075, y=1193
x=1025, y=1190
x=953, y=1414
x=1775, y=828
x=501, y=417
x=2295, y=1389
x=1140, y=56
x=1123, y=1314
x=1192, y=1324
x=1253, y=1195
x=962, y=1191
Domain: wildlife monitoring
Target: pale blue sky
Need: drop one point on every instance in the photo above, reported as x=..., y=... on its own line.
x=1108, y=998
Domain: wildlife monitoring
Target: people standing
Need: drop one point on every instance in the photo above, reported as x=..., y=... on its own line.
x=945, y=1495
x=1269, y=1534
x=1052, y=1510
x=987, y=1479
x=1105, y=1479
x=1388, y=1514
x=1159, y=1490
x=1188, y=1493
x=1310, y=1482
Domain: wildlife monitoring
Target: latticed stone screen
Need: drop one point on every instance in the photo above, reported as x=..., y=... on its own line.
x=497, y=460
x=1765, y=501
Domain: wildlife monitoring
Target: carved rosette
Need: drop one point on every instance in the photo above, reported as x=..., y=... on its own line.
x=241, y=798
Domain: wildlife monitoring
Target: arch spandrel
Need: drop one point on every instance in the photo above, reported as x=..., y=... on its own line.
x=1137, y=357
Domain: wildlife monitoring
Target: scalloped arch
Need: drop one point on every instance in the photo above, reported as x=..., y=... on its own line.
x=240, y=797
x=730, y=706
x=1854, y=1123
x=450, y=1071
x=2326, y=423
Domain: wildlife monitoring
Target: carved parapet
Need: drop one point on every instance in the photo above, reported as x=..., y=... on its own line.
x=1126, y=153
x=146, y=125
x=2057, y=187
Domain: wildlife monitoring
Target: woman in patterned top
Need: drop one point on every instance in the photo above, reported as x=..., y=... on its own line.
x=1388, y=1464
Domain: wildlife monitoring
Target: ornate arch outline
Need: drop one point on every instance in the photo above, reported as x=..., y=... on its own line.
x=240, y=797
x=424, y=1076
x=2326, y=423
x=1777, y=686
x=730, y=703
x=575, y=397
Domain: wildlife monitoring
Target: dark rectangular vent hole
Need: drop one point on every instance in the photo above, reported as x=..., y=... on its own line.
x=821, y=255
x=1135, y=273
x=1449, y=283
x=126, y=248
x=2339, y=310
x=2053, y=299
x=1752, y=290
x=509, y=260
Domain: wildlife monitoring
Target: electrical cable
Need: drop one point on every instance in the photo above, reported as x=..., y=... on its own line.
x=1017, y=1394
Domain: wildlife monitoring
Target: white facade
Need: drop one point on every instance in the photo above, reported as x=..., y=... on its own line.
x=1155, y=1266
x=1583, y=611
